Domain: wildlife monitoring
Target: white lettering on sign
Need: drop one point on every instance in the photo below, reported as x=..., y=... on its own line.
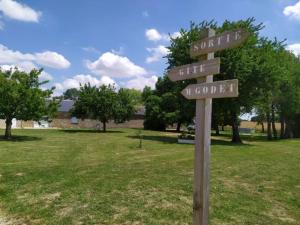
x=219, y=42
x=238, y=35
x=219, y=89
x=188, y=91
x=199, y=69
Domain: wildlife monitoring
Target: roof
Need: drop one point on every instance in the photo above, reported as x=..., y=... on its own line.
x=65, y=105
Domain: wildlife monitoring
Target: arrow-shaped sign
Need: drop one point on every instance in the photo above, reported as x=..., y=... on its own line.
x=218, y=89
x=195, y=70
x=219, y=42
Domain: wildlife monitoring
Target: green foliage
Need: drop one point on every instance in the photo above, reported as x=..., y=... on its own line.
x=105, y=104
x=71, y=93
x=127, y=100
x=146, y=93
x=134, y=95
x=268, y=79
x=154, y=118
x=96, y=103
x=21, y=97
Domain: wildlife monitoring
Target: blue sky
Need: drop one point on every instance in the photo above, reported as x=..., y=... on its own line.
x=119, y=41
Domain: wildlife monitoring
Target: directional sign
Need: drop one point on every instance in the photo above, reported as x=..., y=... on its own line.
x=195, y=70
x=218, y=89
x=219, y=42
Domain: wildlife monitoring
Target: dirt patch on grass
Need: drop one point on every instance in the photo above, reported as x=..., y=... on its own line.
x=65, y=211
x=20, y=174
x=234, y=185
x=51, y=197
x=279, y=212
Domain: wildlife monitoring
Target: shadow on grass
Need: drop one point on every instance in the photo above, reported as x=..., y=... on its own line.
x=245, y=137
x=170, y=140
x=174, y=140
x=89, y=131
x=17, y=138
x=227, y=143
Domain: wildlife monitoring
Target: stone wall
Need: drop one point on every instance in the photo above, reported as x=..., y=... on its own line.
x=20, y=124
x=94, y=124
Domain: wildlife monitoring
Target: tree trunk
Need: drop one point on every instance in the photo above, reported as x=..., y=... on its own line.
x=235, y=128
x=288, y=130
x=269, y=130
x=216, y=128
x=281, y=126
x=8, y=123
x=104, y=126
x=262, y=127
x=178, y=126
x=273, y=121
x=223, y=127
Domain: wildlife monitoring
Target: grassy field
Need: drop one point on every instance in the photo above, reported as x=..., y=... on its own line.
x=83, y=177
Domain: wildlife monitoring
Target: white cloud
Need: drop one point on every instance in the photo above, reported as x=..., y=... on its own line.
x=113, y=65
x=140, y=82
x=157, y=53
x=295, y=48
x=52, y=59
x=176, y=35
x=82, y=79
x=45, y=76
x=293, y=11
x=10, y=56
x=154, y=35
x=47, y=58
x=14, y=10
x=27, y=67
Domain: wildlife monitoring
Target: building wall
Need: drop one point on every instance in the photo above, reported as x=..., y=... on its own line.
x=19, y=124
x=254, y=125
x=94, y=124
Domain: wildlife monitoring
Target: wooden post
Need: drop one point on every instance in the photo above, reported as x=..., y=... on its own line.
x=202, y=149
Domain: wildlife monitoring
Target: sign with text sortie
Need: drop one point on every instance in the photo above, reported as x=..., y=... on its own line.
x=203, y=92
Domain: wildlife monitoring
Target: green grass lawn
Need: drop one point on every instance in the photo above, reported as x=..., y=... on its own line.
x=83, y=177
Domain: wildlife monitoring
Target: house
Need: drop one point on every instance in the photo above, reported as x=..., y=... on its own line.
x=64, y=119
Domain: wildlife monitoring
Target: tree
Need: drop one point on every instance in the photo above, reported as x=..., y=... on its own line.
x=235, y=63
x=146, y=93
x=277, y=71
x=127, y=100
x=96, y=103
x=154, y=117
x=71, y=93
x=238, y=63
x=22, y=98
x=104, y=104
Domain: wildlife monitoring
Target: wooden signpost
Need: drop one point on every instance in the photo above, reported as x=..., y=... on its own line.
x=229, y=39
x=203, y=92
x=219, y=89
x=195, y=70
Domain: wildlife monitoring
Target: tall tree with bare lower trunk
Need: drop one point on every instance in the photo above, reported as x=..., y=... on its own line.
x=22, y=98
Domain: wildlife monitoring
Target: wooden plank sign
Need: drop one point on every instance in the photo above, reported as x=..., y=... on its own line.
x=203, y=92
x=218, y=89
x=219, y=42
x=195, y=70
